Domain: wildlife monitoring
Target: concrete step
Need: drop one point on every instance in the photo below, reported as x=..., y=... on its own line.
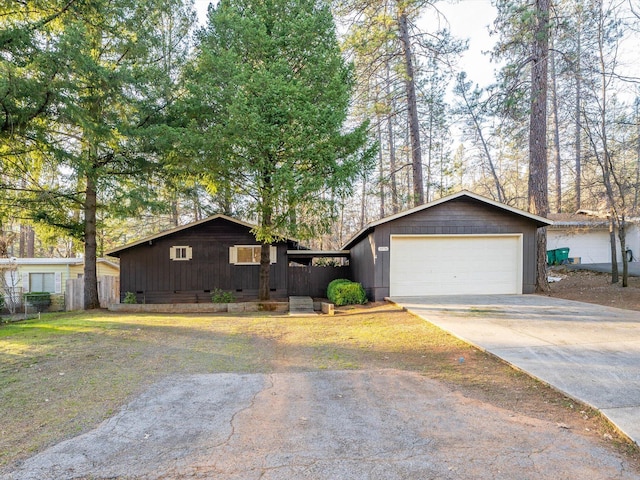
x=301, y=306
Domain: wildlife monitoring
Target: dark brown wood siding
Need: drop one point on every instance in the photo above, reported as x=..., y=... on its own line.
x=148, y=271
x=363, y=262
x=312, y=281
x=460, y=216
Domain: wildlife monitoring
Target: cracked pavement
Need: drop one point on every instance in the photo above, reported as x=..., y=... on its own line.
x=372, y=424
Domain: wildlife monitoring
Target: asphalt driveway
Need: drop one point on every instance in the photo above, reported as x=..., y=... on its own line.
x=338, y=425
x=589, y=352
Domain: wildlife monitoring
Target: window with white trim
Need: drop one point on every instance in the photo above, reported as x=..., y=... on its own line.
x=250, y=254
x=181, y=252
x=43, y=282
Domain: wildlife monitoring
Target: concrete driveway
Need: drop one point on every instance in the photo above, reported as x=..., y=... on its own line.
x=589, y=352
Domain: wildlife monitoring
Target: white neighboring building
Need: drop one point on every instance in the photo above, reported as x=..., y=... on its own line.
x=587, y=237
x=22, y=275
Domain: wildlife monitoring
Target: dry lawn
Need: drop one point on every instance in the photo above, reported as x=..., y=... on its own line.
x=63, y=374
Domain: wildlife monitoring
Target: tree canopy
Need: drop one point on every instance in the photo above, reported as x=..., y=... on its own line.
x=268, y=95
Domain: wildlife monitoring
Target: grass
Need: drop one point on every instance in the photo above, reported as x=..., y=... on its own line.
x=64, y=373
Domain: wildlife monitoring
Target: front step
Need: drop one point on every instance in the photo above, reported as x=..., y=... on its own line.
x=301, y=306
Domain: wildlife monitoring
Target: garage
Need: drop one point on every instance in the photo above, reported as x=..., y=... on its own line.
x=460, y=244
x=455, y=264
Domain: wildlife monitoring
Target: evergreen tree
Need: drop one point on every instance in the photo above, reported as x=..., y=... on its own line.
x=269, y=98
x=82, y=141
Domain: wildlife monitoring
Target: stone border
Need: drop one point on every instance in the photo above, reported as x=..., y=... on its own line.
x=327, y=308
x=239, y=307
x=236, y=307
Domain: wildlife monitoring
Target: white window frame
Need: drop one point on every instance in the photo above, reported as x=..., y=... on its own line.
x=27, y=281
x=181, y=253
x=233, y=254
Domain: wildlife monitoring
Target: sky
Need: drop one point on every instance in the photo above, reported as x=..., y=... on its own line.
x=468, y=19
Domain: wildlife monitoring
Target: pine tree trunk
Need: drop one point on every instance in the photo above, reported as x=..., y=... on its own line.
x=395, y=205
x=31, y=242
x=91, y=300
x=427, y=193
x=556, y=135
x=22, y=242
x=538, y=168
x=578, y=113
x=380, y=167
x=412, y=109
x=363, y=202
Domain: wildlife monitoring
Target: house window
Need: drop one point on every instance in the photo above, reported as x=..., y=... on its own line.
x=249, y=254
x=42, y=282
x=180, y=253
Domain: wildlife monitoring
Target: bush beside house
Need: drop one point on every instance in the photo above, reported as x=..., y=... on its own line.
x=38, y=300
x=345, y=292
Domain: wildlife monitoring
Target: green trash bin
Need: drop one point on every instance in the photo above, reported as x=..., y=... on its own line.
x=562, y=256
x=551, y=257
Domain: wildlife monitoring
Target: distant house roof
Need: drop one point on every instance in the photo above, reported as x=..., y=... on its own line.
x=111, y=263
x=584, y=219
x=115, y=252
x=42, y=261
x=540, y=221
x=53, y=261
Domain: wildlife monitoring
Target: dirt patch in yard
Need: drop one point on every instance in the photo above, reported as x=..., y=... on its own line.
x=61, y=376
x=595, y=287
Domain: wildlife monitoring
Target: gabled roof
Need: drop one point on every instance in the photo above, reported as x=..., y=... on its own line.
x=116, y=251
x=540, y=221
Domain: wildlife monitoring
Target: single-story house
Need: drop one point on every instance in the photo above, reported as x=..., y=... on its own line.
x=187, y=263
x=463, y=243
x=459, y=244
x=586, y=234
x=23, y=275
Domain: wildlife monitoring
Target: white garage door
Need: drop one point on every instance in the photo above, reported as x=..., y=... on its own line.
x=455, y=264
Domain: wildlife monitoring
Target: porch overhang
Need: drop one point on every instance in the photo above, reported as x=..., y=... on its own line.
x=306, y=254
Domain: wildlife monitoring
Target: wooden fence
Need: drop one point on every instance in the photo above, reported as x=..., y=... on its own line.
x=313, y=281
x=108, y=292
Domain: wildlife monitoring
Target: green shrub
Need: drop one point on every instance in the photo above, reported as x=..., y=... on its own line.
x=221, y=296
x=130, y=298
x=348, y=293
x=39, y=300
x=332, y=286
x=1, y=302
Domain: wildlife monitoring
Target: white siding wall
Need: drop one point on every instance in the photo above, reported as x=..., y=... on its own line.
x=592, y=245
